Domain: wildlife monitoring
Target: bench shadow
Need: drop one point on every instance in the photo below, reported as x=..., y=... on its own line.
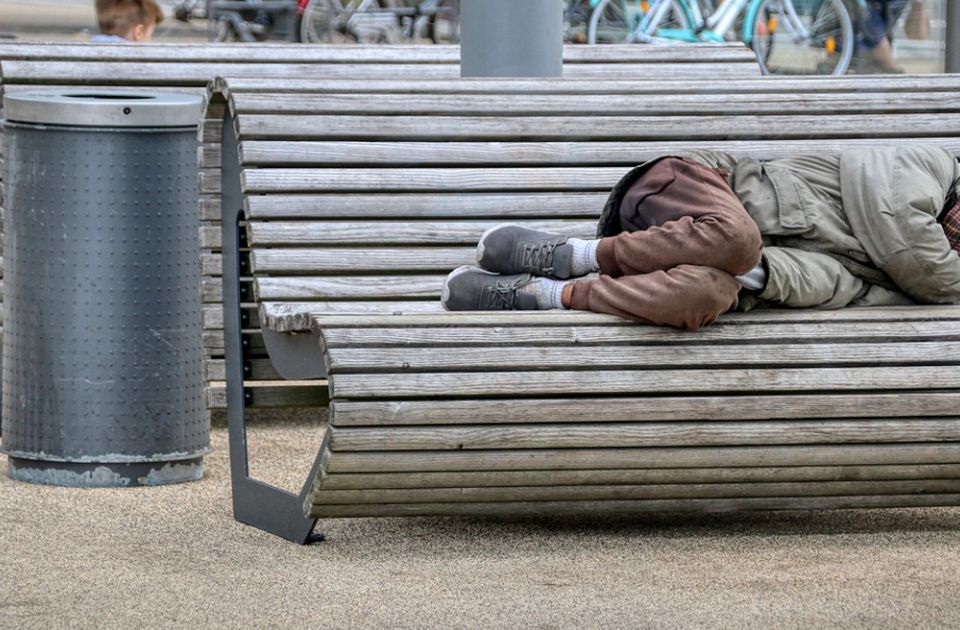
x=442, y=534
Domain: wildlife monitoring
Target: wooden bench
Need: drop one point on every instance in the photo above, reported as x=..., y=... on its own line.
x=348, y=213
x=190, y=67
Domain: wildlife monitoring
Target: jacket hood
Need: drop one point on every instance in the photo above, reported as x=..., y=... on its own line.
x=892, y=198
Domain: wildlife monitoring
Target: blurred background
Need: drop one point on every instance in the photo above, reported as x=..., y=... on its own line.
x=51, y=20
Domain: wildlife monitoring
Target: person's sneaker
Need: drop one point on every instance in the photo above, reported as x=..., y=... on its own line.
x=512, y=248
x=474, y=289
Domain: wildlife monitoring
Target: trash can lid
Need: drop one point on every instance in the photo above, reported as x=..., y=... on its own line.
x=104, y=108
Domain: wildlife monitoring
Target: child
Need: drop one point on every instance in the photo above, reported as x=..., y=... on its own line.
x=127, y=20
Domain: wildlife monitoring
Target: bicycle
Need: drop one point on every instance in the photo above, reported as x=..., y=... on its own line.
x=380, y=21
x=242, y=20
x=788, y=36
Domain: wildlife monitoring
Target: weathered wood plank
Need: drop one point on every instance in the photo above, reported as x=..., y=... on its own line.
x=350, y=413
x=645, y=435
x=347, y=287
x=378, y=233
x=623, y=382
x=620, y=128
x=590, y=508
x=260, y=369
x=212, y=316
x=286, y=53
x=726, y=330
x=213, y=345
x=612, y=355
x=667, y=491
x=299, y=316
x=210, y=208
x=626, y=458
x=431, y=179
x=211, y=264
x=918, y=313
x=415, y=206
x=529, y=478
x=210, y=237
x=200, y=73
x=596, y=105
x=635, y=85
x=320, y=153
x=354, y=260
x=211, y=290
x=273, y=394
x=299, y=321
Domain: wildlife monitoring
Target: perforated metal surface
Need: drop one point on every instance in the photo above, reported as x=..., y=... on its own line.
x=101, y=345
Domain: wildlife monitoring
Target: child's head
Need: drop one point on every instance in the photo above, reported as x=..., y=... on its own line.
x=133, y=20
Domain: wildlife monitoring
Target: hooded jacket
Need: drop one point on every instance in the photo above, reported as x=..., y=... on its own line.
x=856, y=228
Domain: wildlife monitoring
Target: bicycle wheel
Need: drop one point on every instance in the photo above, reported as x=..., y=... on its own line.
x=627, y=21
x=801, y=36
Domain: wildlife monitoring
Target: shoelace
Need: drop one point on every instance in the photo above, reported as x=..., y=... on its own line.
x=538, y=255
x=502, y=296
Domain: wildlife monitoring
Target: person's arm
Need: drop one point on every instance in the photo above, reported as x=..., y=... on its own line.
x=798, y=278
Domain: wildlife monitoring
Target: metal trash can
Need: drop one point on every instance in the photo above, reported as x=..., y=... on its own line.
x=102, y=366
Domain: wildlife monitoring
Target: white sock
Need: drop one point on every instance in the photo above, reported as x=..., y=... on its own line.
x=755, y=279
x=549, y=292
x=584, y=256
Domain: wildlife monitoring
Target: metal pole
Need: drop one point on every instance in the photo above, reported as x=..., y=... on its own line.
x=511, y=38
x=952, y=38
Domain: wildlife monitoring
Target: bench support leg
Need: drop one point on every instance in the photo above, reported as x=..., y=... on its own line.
x=255, y=503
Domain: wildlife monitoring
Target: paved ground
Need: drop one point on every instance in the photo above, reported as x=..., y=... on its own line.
x=173, y=557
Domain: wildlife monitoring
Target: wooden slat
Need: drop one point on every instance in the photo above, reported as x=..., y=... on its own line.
x=260, y=369
x=198, y=74
x=626, y=458
x=596, y=105
x=603, y=434
x=532, y=478
x=622, y=382
x=320, y=233
x=669, y=491
x=295, y=316
x=100, y=83
x=590, y=508
x=349, y=287
x=726, y=330
x=353, y=259
x=621, y=128
x=273, y=394
x=612, y=355
x=349, y=308
x=346, y=53
x=349, y=413
x=430, y=179
x=319, y=153
x=212, y=315
x=413, y=206
x=635, y=85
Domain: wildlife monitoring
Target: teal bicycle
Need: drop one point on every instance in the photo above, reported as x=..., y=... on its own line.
x=788, y=36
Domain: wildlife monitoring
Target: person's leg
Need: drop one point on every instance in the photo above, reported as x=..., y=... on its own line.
x=681, y=213
x=687, y=296
x=678, y=212
x=691, y=236
x=876, y=49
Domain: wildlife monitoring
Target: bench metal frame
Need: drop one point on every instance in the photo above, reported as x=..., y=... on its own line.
x=255, y=502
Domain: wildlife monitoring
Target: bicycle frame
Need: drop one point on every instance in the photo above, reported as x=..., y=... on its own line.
x=713, y=28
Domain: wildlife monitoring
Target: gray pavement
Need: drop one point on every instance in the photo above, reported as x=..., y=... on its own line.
x=173, y=557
